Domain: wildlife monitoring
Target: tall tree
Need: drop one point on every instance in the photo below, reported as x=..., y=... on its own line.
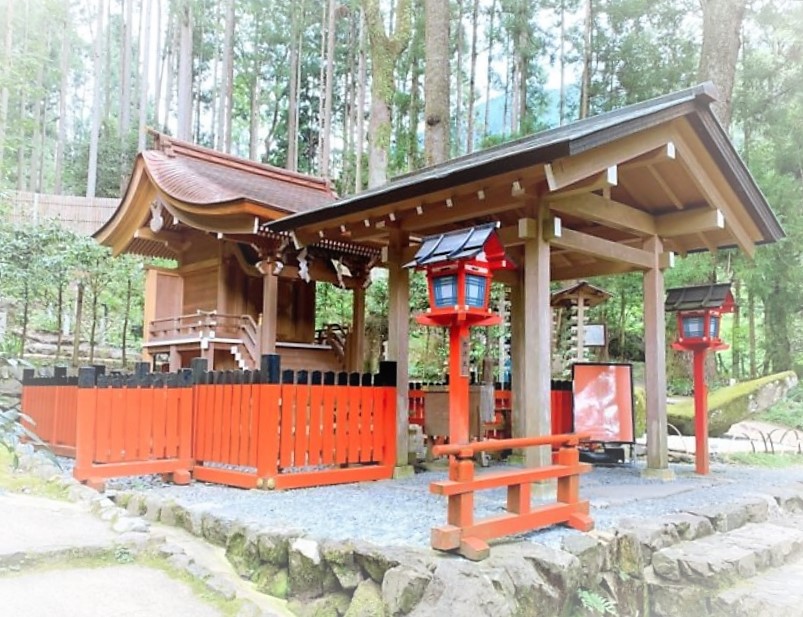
x=97, y=102
x=722, y=23
x=436, y=81
x=385, y=50
x=184, y=94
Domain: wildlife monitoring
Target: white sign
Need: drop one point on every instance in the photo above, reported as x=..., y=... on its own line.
x=594, y=335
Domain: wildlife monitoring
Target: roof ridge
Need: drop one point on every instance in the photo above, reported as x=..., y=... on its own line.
x=167, y=143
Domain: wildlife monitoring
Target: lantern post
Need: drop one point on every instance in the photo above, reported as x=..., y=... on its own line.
x=459, y=266
x=699, y=316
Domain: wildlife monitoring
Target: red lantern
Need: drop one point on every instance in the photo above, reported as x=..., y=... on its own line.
x=459, y=267
x=699, y=314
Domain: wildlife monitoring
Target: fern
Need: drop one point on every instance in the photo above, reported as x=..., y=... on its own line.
x=595, y=603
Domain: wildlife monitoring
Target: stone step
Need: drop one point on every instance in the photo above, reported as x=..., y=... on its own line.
x=684, y=578
x=777, y=592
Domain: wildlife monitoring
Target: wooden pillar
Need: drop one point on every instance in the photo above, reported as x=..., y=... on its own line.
x=536, y=381
x=174, y=361
x=357, y=339
x=517, y=356
x=399, y=338
x=267, y=333
x=655, y=364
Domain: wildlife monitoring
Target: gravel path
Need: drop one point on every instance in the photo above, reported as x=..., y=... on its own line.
x=401, y=512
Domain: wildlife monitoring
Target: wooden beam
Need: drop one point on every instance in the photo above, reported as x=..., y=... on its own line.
x=686, y=222
x=714, y=196
x=665, y=153
x=603, y=249
x=604, y=180
x=597, y=268
x=568, y=170
x=607, y=212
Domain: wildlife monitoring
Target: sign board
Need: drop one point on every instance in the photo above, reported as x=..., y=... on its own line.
x=603, y=401
x=594, y=335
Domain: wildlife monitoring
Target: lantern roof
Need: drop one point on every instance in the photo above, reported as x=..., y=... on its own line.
x=700, y=297
x=468, y=243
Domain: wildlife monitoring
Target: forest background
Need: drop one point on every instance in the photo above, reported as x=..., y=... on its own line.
x=361, y=90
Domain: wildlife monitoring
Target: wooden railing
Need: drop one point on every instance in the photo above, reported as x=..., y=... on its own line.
x=469, y=537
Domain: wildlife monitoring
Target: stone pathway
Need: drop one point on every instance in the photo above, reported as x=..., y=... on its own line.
x=60, y=558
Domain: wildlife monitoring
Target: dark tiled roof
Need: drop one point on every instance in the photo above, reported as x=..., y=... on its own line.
x=460, y=244
x=699, y=297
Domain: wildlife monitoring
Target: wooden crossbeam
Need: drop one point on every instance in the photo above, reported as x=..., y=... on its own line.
x=603, y=249
x=608, y=212
x=604, y=180
x=686, y=222
x=173, y=240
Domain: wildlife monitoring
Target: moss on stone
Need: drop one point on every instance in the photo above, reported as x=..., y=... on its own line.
x=726, y=406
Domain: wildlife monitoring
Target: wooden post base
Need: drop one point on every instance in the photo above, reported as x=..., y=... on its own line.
x=98, y=484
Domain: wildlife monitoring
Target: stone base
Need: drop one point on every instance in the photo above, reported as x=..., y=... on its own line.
x=403, y=471
x=665, y=474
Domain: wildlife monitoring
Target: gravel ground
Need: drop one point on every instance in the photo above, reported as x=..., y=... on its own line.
x=401, y=512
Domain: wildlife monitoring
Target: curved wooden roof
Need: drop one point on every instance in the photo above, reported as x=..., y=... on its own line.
x=205, y=190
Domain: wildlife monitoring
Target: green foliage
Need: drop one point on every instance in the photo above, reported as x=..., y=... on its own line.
x=595, y=603
x=788, y=412
x=763, y=459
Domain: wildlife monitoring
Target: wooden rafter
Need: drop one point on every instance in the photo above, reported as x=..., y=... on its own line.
x=568, y=170
x=714, y=196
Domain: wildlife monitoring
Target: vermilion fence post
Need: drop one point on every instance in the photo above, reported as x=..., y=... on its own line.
x=85, y=429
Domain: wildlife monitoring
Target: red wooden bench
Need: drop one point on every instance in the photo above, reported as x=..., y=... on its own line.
x=469, y=537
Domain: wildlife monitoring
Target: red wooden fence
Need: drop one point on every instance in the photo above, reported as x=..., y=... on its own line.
x=53, y=407
x=247, y=434
x=293, y=435
x=135, y=429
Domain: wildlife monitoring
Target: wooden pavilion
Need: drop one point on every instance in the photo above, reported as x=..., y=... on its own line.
x=237, y=290
x=620, y=192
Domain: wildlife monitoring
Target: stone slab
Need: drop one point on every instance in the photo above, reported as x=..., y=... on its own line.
x=33, y=524
x=129, y=590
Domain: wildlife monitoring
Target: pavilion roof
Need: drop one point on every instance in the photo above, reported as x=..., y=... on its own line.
x=664, y=167
x=191, y=187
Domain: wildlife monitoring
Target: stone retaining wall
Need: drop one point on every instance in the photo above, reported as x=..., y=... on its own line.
x=324, y=578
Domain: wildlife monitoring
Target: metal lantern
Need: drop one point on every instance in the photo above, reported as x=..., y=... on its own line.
x=699, y=312
x=459, y=266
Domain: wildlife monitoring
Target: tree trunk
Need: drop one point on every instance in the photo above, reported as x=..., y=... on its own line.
x=736, y=343
x=144, y=79
x=385, y=50
x=8, y=43
x=751, y=332
x=93, y=326
x=722, y=24
x=126, y=317
x=185, y=72
x=125, y=73
x=562, y=64
x=436, y=81
x=64, y=82
x=361, y=91
x=489, y=74
x=328, y=90
x=97, y=102
x=585, y=84
x=225, y=101
x=34, y=184
x=458, y=77
x=79, y=309
x=26, y=307
x=292, y=103
x=59, y=319
x=472, y=81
